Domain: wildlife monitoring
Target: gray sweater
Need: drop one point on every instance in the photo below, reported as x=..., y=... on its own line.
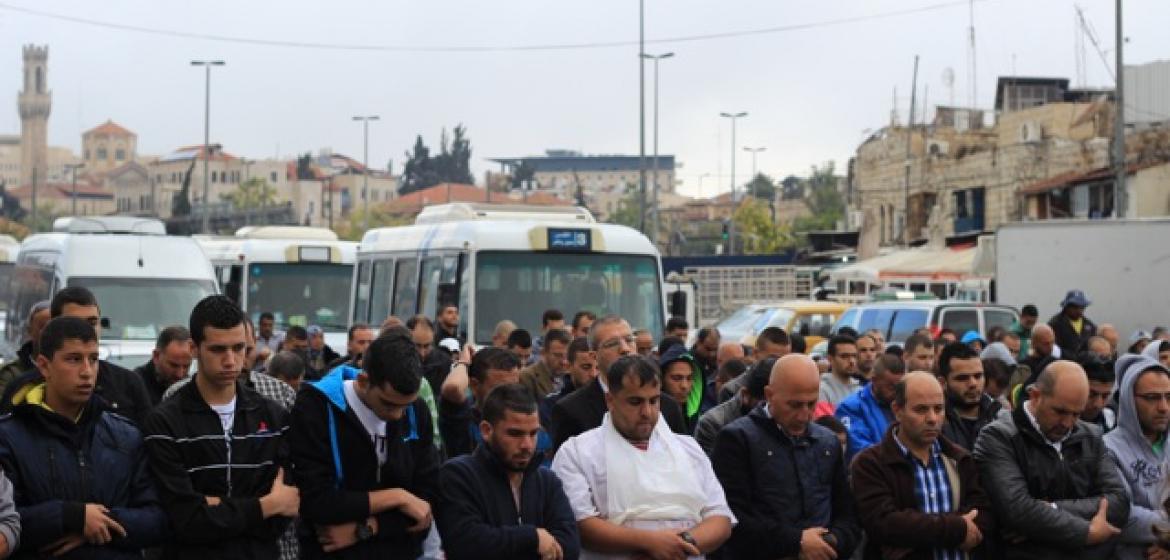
x=1143, y=470
x=9, y=519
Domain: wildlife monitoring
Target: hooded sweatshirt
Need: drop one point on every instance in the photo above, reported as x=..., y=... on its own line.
x=692, y=406
x=1142, y=467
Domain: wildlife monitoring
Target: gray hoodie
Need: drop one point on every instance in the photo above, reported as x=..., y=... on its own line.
x=1143, y=470
x=9, y=519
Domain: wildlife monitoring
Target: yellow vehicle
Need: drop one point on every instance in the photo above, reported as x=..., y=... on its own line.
x=812, y=319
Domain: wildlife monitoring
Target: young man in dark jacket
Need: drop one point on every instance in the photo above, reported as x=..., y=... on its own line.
x=216, y=449
x=968, y=407
x=122, y=389
x=364, y=457
x=499, y=503
x=1072, y=329
x=918, y=495
x=784, y=475
x=79, y=471
x=1056, y=492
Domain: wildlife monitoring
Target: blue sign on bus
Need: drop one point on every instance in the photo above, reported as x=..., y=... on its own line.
x=570, y=240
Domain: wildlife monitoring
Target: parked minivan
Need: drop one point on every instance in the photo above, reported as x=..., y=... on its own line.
x=812, y=319
x=897, y=320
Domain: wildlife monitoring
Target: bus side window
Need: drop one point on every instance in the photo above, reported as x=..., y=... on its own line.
x=429, y=287
x=406, y=288
x=233, y=282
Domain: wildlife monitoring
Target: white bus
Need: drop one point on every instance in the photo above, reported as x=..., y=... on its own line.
x=9, y=250
x=144, y=280
x=301, y=275
x=500, y=262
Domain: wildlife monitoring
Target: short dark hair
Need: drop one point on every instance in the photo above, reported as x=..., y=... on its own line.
x=172, y=334
x=551, y=315
x=832, y=423
x=491, y=358
x=953, y=351
x=392, y=358
x=997, y=371
x=419, y=319
x=676, y=323
x=947, y=330
x=286, y=365
x=995, y=333
x=576, y=347
x=758, y=377
x=838, y=340
x=848, y=331
x=730, y=370
x=267, y=315
x=557, y=335
x=1029, y=311
x=76, y=295
x=669, y=342
x=218, y=312
x=1098, y=371
x=888, y=363
x=583, y=315
x=502, y=398
x=519, y=338
x=644, y=371
x=774, y=335
x=915, y=341
x=704, y=333
x=355, y=328
x=799, y=345
x=60, y=329
x=296, y=332
x=895, y=350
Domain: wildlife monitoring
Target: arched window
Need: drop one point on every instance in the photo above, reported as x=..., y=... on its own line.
x=40, y=72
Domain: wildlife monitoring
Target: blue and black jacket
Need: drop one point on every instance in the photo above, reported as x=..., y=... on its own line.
x=336, y=467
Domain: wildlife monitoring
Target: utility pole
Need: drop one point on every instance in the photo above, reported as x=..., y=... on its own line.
x=365, y=170
x=642, y=114
x=206, y=64
x=731, y=223
x=654, y=180
x=1119, y=194
x=73, y=167
x=754, y=152
x=909, y=154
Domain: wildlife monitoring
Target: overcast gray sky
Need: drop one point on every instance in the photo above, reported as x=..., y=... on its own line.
x=810, y=92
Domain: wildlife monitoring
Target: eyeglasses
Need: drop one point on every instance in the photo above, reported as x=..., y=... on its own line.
x=1154, y=398
x=615, y=343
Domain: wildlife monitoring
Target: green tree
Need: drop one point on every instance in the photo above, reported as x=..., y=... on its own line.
x=758, y=234
x=181, y=203
x=351, y=228
x=451, y=165
x=762, y=187
x=10, y=205
x=823, y=200
x=522, y=173
x=251, y=194
x=305, y=167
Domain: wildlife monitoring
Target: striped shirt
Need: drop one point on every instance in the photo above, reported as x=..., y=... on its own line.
x=932, y=487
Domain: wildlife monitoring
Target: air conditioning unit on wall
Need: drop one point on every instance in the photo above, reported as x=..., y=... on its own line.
x=1031, y=132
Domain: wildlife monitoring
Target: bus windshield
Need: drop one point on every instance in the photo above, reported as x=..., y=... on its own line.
x=300, y=294
x=521, y=286
x=140, y=308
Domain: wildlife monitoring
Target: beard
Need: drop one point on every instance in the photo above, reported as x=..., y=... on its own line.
x=516, y=462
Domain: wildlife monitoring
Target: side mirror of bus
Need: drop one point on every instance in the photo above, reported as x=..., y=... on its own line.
x=678, y=304
x=105, y=323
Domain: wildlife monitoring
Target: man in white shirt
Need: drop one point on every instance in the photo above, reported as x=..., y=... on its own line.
x=636, y=488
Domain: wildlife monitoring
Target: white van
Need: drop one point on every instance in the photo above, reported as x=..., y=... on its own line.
x=301, y=275
x=497, y=261
x=144, y=279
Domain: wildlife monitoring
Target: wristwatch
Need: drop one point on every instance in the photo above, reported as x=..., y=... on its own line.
x=687, y=537
x=364, y=531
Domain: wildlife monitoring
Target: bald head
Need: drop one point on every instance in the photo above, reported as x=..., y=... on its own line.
x=1043, y=340
x=1058, y=398
x=728, y=351
x=792, y=392
x=1109, y=333
x=916, y=384
x=1062, y=375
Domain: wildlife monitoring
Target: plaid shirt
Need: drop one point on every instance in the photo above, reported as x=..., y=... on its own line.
x=276, y=390
x=932, y=487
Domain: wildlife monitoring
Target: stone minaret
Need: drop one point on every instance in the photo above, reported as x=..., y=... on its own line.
x=34, y=104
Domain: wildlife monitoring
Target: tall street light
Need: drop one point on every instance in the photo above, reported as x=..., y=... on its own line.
x=731, y=223
x=206, y=64
x=701, y=177
x=654, y=174
x=73, y=167
x=754, y=152
x=365, y=168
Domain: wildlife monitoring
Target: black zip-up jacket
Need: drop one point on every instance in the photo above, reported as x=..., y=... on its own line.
x=192, y=459
x=154, y=387
x=963, y=433
x=57, y=466
x=336, y=467
x=121, y=388
x=477, y=514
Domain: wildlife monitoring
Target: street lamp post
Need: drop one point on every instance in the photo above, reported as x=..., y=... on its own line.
x=206, y=64
x=731, y=225
x=365, y=169
x=654, y=173
x=754, y=152
x=73, y=167
x=701, y=183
